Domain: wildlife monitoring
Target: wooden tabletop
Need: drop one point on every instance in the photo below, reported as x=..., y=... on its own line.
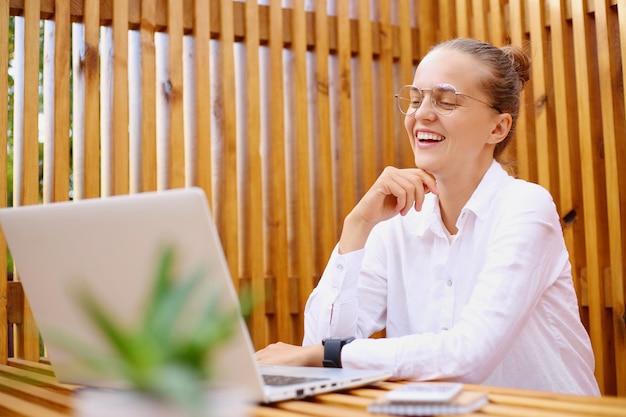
x=30, y=389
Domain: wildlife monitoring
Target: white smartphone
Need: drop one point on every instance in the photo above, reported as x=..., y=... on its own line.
x=425, y=392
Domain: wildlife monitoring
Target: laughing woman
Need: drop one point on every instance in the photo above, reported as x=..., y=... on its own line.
x=463, y=265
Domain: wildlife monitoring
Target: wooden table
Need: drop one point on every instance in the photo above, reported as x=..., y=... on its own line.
x=30, y=389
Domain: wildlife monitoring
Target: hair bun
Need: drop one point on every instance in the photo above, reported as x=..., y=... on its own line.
x=520, y=61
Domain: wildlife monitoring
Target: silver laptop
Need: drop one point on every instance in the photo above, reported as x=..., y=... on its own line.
x=112, y=246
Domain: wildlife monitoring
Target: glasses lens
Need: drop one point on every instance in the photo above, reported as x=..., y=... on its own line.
x=409, y=99
x=444, y=98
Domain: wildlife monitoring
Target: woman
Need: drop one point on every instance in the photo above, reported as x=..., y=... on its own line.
x=464, y=266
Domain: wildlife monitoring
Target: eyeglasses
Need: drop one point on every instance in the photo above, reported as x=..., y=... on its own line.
x=443, y=98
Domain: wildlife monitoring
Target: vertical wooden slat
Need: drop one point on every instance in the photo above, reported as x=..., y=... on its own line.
x=344, y=79
x=619, y=301
x=609, y=85
x=366, y=94
x=120, y=97
x=4, y=127
x=447, y=19
x=176, y=146
x=91, y=72
x=404, y=152
x=496, y=35
x=565, y=105
x=426, y=24
x=522, y=130
x=202, y=34
x=277, y=236
x=326, y=220
x=388, y=112
x=148, y=96
x=47, y=128
x=61, y=101
x=225, y=192
x=252, y=236
x=27, y=335
x=590, y=183
x=544, y=139
x=303, y=223
x=480, y=30
x=463, y=17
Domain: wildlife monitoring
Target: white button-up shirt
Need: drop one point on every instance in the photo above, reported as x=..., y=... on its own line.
x=495, y=305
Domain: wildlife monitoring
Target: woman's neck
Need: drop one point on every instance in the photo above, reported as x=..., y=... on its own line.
x=454, y=193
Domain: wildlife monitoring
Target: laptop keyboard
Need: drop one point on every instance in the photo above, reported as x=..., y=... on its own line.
x=281, y=380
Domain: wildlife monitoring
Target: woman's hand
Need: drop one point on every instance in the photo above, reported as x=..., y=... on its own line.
x=285, y=354
x=395, y=191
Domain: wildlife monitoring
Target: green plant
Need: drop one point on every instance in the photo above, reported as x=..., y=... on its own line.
x=160, y=357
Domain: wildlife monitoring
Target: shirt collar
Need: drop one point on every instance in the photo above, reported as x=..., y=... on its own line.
x=479, y=203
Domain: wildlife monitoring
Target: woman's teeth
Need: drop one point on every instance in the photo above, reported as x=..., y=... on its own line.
x=423, y=136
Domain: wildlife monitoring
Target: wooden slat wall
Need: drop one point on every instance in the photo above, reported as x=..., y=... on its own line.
x=285, y=116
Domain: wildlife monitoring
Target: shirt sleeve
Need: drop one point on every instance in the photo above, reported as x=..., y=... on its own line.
x=332, y=309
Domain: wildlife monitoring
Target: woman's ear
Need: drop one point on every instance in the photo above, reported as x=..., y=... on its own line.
x=504, y=121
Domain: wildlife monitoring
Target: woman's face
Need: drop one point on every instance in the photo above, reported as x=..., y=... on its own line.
x=450, y=145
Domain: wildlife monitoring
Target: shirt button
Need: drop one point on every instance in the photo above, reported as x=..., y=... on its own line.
x=449, y=282
x=339, y=267
x=444, y=328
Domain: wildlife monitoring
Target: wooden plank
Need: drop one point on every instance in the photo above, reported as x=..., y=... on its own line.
x=18, y=407
x=225, y=192
x=388, y=111
x=344, y=86
x=321, y=410
x=36, y=379
x=202, y=34
x=31, y=366
x=619, y=302
x=277, y=233
x=62, y=41
x=36, y=395
x=27, y=335
x=590, y=183
x=609, y=65
x=253, y=240
x=4, y=127
x=496, y=23
x=479, y=21
x=447, y=19
x=426, y=23
x=90, y=65
x=567, y=151
x=174, y=96
x=326, y=221
x=522, y=155
x=463, y=16
x=148, y=96
x=365, y=97
x=120, y=147
x=540, y=75
x=404, y=151
x=302, y=217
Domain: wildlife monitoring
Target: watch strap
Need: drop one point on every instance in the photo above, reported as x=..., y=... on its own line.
x=332, y=351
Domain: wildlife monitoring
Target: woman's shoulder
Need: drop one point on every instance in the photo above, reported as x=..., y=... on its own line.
x=520, y=196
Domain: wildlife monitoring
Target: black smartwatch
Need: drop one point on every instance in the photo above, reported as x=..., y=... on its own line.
x=332, y=351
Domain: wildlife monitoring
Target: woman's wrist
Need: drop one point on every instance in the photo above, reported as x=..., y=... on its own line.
x=314, y=355
x=355, y=233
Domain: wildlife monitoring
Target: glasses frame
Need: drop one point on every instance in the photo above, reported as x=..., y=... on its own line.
x=433, y=101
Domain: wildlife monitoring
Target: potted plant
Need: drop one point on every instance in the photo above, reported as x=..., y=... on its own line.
x=169, y=369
